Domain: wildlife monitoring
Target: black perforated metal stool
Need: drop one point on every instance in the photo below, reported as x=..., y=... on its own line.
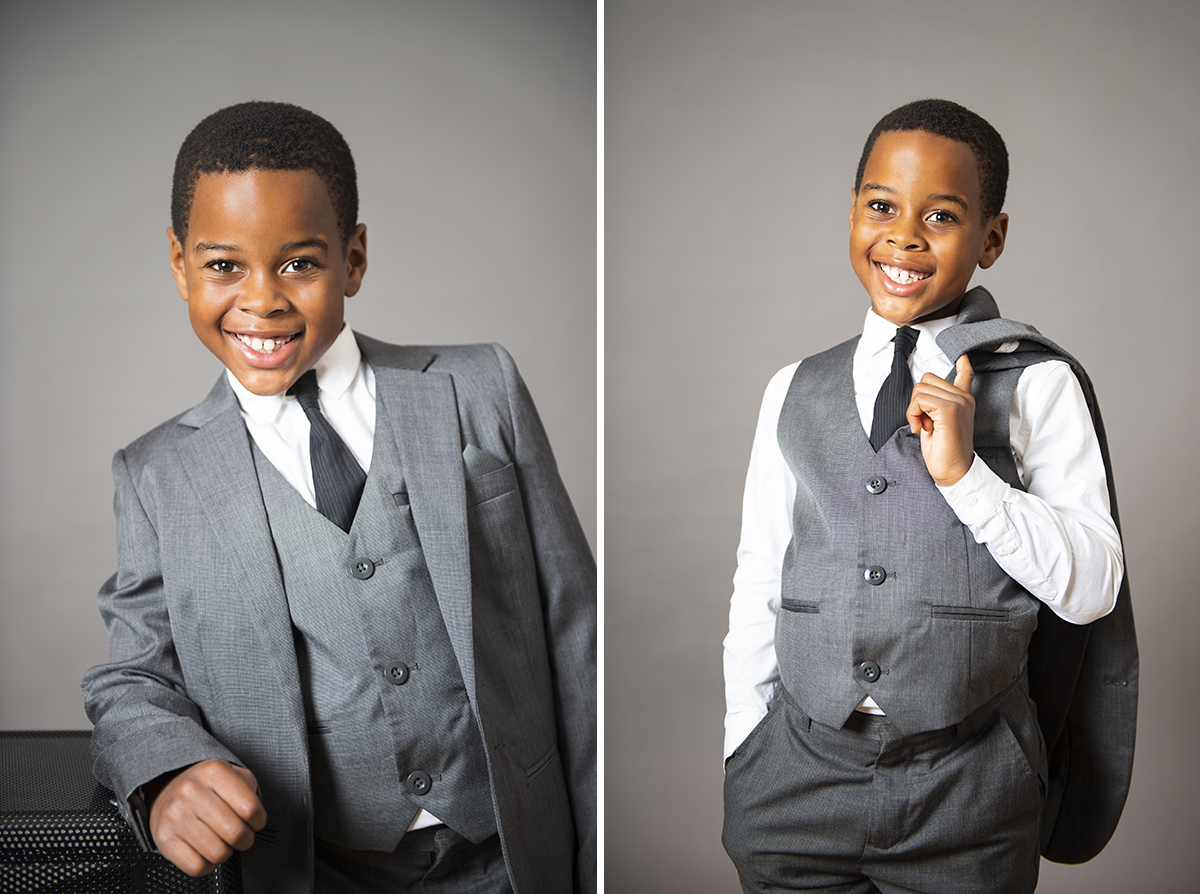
x=60, y=832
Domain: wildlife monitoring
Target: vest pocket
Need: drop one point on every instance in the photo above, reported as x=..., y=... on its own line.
x=962, y=613
x=801, y=606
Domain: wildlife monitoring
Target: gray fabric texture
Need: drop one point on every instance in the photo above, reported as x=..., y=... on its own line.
x=866, y=808
x=366, y=733
x=946, y=626
x=1083, y=679
x=202, y=656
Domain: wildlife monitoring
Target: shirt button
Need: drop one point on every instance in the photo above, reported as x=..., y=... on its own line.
x=397, y=673
x=876, y=485
x=875, y=575
x=362, y=568
x=418, y=782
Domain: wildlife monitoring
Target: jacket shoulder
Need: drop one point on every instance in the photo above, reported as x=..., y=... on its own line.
x=160, y=441
x=442, y=358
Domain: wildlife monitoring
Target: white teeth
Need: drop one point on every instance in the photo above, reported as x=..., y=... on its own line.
x=901, y=276
x=264, y=345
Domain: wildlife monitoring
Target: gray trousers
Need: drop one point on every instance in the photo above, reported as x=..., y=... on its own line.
x=863, y=809
x=433, y=860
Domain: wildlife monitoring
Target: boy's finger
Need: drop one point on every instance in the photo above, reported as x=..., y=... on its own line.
x=964, y=374
x=240, y=792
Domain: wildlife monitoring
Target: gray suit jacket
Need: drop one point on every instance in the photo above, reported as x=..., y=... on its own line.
x=202, y=662
x=1084, y=679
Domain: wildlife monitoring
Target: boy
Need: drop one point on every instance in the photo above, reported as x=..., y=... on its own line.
x=900, y=544
x=351, y=635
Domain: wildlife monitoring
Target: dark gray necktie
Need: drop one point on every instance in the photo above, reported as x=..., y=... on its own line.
x=896, y=392
x=337, y=477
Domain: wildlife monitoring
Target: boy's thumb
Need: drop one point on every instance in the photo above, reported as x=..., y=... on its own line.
x=964, y=375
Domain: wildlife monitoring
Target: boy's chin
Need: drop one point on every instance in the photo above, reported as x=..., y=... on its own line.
x=904, y=312
x=265, y=382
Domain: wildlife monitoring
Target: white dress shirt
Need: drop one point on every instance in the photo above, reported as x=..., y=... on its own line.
x=1057, y=539
x=346, y=392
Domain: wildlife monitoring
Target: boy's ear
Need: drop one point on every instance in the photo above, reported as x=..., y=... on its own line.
x=853, y=202
x=177, y=267
x=356, y=259
x=995, y=233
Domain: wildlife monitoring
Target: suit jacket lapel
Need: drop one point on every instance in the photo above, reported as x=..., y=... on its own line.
x=422, y=408
x=219, y=465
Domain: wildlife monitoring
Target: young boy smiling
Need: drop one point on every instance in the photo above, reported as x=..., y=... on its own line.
x=352, y=630
x=900, y=544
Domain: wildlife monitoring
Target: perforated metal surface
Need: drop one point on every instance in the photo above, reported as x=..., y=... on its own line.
x=60, y=832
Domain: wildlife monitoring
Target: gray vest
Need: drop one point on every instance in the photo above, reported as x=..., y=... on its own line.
x=390, y=728
x=885, y=592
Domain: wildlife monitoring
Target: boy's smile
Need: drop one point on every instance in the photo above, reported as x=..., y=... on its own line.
x=916, y=230
x=264, y=274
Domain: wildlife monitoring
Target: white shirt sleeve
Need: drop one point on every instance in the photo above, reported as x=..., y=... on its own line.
x=751, y=670
x=1057, y=539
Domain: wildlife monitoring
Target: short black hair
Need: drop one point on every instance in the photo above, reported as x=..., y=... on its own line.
x=944, y=118
x=275, y=136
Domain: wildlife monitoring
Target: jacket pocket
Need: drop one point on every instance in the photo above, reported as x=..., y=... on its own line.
x=491, y=485
x=539, y=766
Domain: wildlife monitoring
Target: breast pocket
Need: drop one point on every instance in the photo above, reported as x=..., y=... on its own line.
x=491, y=485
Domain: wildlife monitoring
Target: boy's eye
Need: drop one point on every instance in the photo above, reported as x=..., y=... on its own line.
x=941, y=217
x=222, y=266
x=879, y=205
x=299, y=265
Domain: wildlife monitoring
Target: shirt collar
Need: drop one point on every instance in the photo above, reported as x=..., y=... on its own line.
x=336, y=370
x=878, y=334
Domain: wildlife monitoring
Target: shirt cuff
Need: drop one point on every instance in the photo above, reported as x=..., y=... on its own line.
x=738, y=727
x=977, y=495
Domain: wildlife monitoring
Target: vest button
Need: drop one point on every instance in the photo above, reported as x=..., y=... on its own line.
x=875, y=575
x=418, y=782
x=362, y=568
x=876, y=485
x=867, y=671
x=397, y=673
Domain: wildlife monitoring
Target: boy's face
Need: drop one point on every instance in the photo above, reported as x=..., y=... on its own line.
x=264, y=273
x=916, y=227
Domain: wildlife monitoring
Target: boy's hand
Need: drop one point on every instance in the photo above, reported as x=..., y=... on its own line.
x=204, y=812
x=945, y=416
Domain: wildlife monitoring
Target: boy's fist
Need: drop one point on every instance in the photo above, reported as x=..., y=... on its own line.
x=199, y=816
x=945, y=416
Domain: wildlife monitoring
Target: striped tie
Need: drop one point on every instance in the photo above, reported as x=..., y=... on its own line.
x=338, y=479
x=896, y=392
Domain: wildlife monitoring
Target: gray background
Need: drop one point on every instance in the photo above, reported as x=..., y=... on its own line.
x=473, y=125
x=732, y=133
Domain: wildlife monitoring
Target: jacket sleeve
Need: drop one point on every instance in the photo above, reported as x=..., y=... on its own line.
x=145, y=724
x=566, y=574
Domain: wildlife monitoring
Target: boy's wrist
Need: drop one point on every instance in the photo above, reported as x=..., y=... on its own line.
x=976, y=495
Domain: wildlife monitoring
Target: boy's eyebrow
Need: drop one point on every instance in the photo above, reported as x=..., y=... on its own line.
x=957, y=200
x=314, y=242
x=289, y=246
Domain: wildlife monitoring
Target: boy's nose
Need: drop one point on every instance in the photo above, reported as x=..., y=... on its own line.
x=263, y=297
x=904, y=237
